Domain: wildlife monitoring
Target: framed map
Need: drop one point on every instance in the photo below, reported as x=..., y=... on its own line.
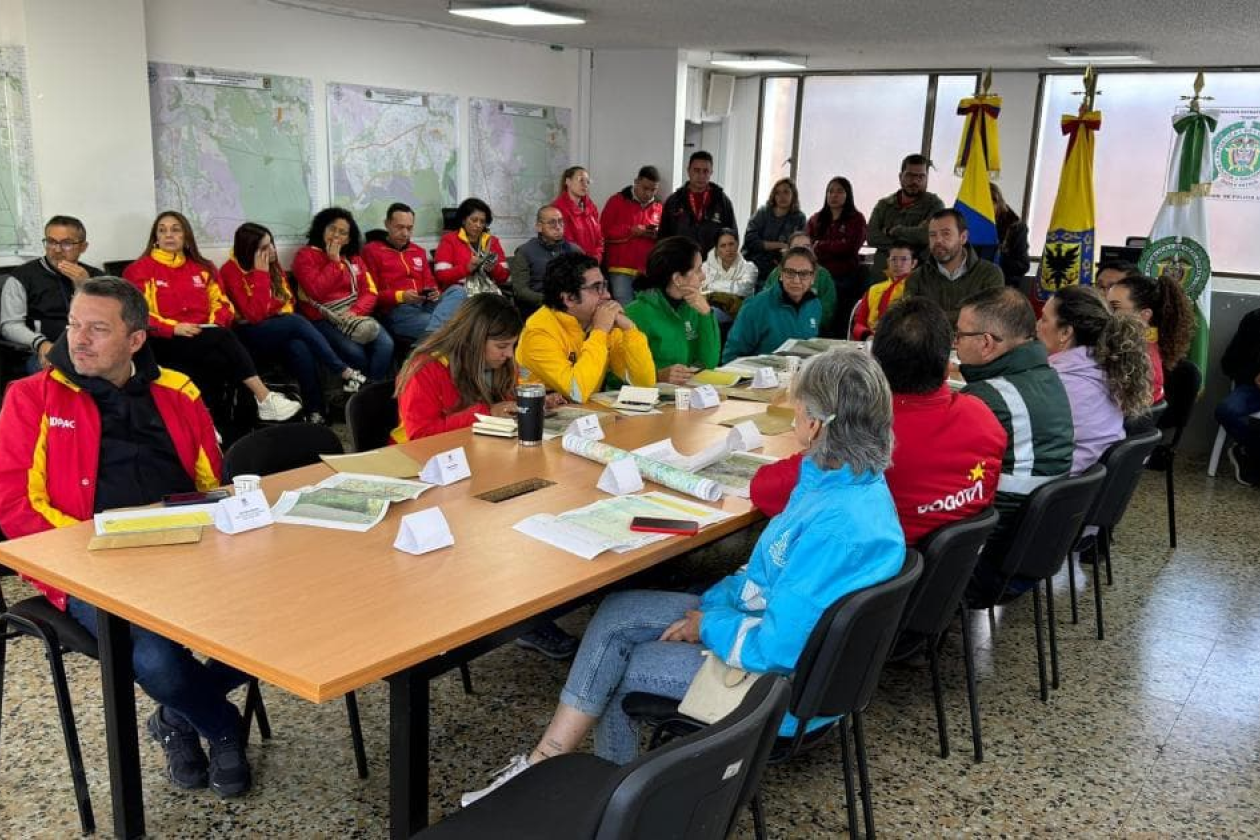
x=21, y=226
x=232, y=147
x=517, y=154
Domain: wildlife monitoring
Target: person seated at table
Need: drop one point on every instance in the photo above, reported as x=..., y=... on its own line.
x=838, y=534
x=1168, y=314
x=581, y=334
x=788, y=309
x=407, y=295
x=258, y=289
x=1102, y=360
x=728, y=277
x=884, y=294
x=669, y=308
x=824, y=283
x=469, y=260
x=104, y=427
x=339, y=294
x=948, y=447
x=189, y=318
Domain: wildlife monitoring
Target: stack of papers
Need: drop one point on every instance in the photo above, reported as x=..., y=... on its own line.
x=345, y=501
x=504, y=427
x=806, y=347
x=638, y=400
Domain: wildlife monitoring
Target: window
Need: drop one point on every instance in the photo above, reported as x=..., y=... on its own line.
x=778, y=130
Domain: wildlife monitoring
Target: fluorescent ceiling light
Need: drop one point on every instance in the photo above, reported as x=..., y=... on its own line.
x=519, y=14
x=759, y=62
x=1099, y=56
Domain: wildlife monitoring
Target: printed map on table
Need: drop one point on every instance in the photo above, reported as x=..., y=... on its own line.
x=389, y=145
x=517, y=154
x=231, y=147
x=20, y=218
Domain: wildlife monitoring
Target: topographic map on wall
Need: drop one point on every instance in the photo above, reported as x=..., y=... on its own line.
x=231, y=147
x=20, y=222
x=393, y=145
x=516, y=156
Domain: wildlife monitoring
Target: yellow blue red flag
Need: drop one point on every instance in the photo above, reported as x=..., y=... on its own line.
x=978, y=159
x=1068, y=258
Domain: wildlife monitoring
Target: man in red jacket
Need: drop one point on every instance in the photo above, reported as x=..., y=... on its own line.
x=407, y=294
x=630, y=221
x=104, y=427
x=949, y=447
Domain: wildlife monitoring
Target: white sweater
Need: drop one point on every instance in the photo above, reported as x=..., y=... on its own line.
x=740, y=279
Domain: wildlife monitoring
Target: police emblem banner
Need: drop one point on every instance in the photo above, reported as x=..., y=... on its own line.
x=1236, y=154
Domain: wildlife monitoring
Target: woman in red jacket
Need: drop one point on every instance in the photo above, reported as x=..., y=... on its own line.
x=189, y=319
x=581, y=214
x=838, y=232
x=469, y=259
x=264, y=307
x=338, y=294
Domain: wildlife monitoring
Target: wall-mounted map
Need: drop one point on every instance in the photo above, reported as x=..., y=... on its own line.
x=516, y=156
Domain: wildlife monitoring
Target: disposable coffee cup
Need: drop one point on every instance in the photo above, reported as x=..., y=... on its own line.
x=682, y=399
x=529, y=414
x=243, y=484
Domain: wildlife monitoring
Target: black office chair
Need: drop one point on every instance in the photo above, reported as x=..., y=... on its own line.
x=950, y=554
x=1124, y=461
x=371, y=414
x=1050, y=521
x=1181, y=389
x=115, y=268
x=693, y=788
x=836, y=675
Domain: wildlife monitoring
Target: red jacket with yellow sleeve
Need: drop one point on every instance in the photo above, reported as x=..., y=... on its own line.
x=178, y=291
x=50, y=441
x=450, y=262
x=396, y=272
x=324, y=280
x=251, y=293
x=431, y=404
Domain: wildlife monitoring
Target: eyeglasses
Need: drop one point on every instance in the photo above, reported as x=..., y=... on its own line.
x=63, y=244
x=794, y=274
x=598, y=288
x=553, y=222
x=993, y=336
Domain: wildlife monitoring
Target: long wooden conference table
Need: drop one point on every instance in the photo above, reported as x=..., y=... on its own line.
x=322, y=612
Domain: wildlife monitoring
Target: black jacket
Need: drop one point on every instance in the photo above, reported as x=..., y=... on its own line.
x=678, y=220
x=48, y=293
x=1241, y=360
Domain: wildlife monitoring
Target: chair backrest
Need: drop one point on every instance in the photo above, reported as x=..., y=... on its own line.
x=1125, y=461
x=839, y=668
x=950, y=554
x=371, y=414
x=1181, y=389
x=279, y=448
x=695, y=787
x=1049, y=523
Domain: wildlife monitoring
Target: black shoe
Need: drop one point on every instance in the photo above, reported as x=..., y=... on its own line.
x=229, y=769
x=549, y=640
x=186, y=762
x=1243, y=473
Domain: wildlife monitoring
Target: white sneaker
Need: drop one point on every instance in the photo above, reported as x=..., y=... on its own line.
x=518, y=765
x=352, y=383
x=276, y=407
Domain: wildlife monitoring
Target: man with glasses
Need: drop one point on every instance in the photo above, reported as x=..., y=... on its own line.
x=530, y=260
x=35, y=300
x=1008, y=369
x=789, y=309
x=955, y=271
x=904, y=214
x=580, y=334
x=630, y=221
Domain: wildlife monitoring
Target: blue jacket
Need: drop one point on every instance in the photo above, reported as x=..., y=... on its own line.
x=839, y=533
x=767, y=319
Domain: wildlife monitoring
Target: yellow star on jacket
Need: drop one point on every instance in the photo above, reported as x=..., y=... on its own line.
x=977, y=472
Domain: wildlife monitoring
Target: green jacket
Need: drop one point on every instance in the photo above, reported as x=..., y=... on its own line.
x=677, y=335
x=890, y=222
x=824, y=288
x=928, y=281
x=767, y=319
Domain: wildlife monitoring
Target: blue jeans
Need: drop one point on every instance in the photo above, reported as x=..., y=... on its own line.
x=407, y=322
x=372, y=360
x=621, y=653
x=301, y=346
x=447, y=304
x=1232, y=413
x=171, y=675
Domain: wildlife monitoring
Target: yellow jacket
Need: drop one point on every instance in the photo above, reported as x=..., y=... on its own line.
x=556, y=351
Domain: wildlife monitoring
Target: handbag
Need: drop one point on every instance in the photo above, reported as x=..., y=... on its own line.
x=716, y=690
x=480, y=282
x=361, y=329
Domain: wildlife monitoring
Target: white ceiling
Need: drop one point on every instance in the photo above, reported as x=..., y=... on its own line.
x=882, y=34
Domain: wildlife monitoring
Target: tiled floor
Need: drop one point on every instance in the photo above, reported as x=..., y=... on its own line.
x=1155, y=732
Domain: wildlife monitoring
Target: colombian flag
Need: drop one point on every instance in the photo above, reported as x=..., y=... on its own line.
x=978, y=159
x=1068, y=258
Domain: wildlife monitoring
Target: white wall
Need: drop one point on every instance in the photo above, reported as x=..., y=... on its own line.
x=1019, y=101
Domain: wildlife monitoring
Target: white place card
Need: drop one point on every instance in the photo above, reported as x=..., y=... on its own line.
x=705, y=396
x=620, y=477
x=587, y=426
x=423, y=531
x=744, y=437
x=765, y=377
x=447, y=467
x=237, y=514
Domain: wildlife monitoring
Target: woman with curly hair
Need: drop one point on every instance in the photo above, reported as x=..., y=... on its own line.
x=1101, y=357
x=1167, y=312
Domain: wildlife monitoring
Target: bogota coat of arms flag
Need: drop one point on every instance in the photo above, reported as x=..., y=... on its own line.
x=1068, y=258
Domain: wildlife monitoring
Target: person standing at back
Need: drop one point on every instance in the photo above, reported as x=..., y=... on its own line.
x=768, y=231
x=581, y=213
x=904, y=214
x=837, y=232
x=630, y=222
x=529, y=262
x=699, y=208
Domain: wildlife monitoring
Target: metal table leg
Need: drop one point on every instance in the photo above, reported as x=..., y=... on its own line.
x=117, y=686
x=408, y=752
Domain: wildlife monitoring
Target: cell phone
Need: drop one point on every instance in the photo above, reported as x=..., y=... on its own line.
x=652, y=524
x=195, y=498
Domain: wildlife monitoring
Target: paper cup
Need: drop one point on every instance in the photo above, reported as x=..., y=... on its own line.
x=682, y=399
x=246, y=484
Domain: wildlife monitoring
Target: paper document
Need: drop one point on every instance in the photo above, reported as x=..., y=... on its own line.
x=775, y=420
x=806, y=347
x=735, y=472
x=557, y=421
x=141, y=520
x=721, y=379
x=389, y=461
x=326, y=507
x=747, y=365
x=377, y=487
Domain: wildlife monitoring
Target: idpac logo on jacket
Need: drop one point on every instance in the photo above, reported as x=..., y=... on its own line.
x=60, y=423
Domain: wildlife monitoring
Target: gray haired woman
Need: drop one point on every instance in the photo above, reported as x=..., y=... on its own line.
x=839, y=533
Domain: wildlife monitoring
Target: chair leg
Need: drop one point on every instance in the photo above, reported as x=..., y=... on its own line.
x=1071, y=564
x=847, y=763
x=1172, y=508
x=759, y=817
x=466, y=676
x=1106, y=547
x=1054, y=635
x=934, y=665
x=1098, y=601
x=255, y=712
x=973, y=697
x=1041, y=649
x=864, y=775
x=356, y=735
x=71, y=734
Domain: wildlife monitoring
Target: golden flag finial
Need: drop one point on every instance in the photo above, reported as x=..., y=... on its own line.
x=1198, y=93
x=986, y=82
x=1091, y=90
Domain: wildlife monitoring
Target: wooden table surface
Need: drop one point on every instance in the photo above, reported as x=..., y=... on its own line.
x=321, y=612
